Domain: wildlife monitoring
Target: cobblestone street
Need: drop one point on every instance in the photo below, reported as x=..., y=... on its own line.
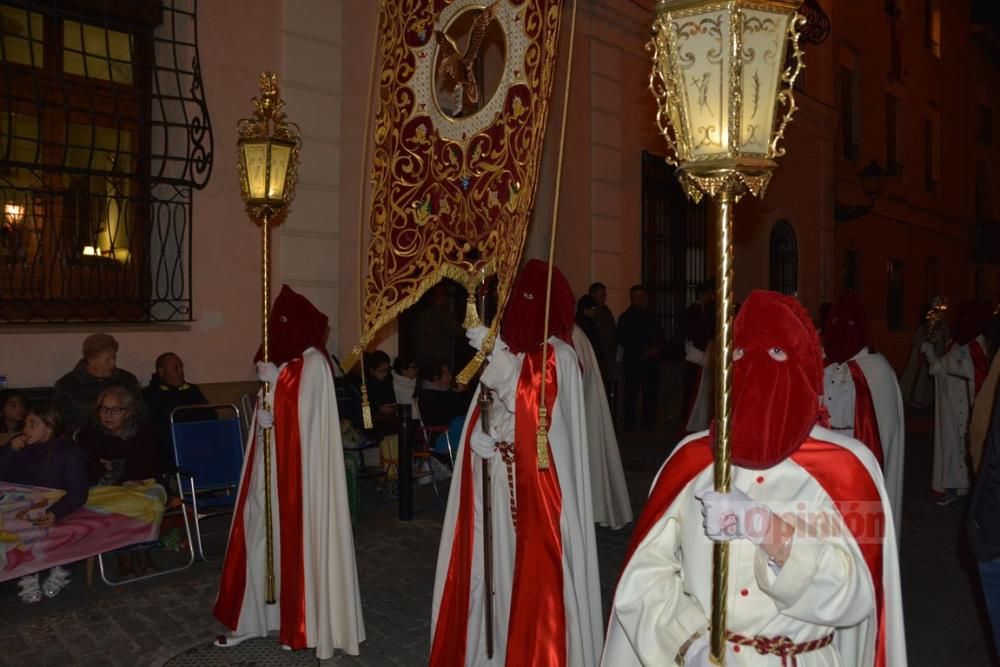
x=150, y=623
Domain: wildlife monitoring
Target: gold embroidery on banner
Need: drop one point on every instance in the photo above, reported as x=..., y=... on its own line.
x=447, y=208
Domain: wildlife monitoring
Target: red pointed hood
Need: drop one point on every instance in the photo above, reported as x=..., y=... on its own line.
x=524, y=320
x=846, y=330
x=971, y=321
x=294, y=326
x=777, y=379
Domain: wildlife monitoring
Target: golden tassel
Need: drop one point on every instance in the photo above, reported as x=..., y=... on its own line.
x=471, y=368
x=542, y=439
x=352, y=358
x=366, y=409
x=471, y=314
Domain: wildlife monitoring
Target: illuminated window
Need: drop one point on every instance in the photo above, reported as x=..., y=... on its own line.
x=100, y=146
x=97, y=53
x=22, y=41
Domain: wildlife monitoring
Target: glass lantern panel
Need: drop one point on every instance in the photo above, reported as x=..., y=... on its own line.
x=702, y=59
x=763, y=52
x=255, y=161
x=280, y=156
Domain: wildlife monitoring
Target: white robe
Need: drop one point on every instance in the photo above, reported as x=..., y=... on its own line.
x=664, y=595
x=703, y=406
x=612, y=506
x=333, y=617
x=839, y=396
x=954, y=392
x=568, y=442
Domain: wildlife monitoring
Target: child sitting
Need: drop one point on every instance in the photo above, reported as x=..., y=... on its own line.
x=39, y=456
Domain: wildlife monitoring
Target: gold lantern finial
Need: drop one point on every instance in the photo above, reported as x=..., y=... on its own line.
x=721, y=83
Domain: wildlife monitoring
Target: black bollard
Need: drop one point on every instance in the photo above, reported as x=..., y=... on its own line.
x=405, y=466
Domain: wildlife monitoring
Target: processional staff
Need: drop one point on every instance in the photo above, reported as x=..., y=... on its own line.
x=268, y=148
x=723, y=139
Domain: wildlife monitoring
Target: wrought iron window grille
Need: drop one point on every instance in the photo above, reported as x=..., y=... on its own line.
x=104, y=132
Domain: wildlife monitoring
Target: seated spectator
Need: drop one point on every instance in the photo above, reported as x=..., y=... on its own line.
x=404, y=382
x=77, y=391
x=439, y=401
x=40, y=456
x=120, y=449
x=15, y=408
x=168, y=390
x=381, y=395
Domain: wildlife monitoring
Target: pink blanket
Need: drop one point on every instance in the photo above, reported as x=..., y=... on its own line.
x=113, y=517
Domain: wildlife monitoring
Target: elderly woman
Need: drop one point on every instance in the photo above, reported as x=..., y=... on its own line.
x=77, y=391
x=119, y=447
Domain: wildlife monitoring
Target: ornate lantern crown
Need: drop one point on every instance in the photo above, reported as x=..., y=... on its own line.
x=720, y=81
x=268, y=153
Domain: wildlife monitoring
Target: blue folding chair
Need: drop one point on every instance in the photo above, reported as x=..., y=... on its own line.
x=209, y=456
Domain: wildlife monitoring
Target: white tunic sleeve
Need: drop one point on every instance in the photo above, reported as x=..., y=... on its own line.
x=821, y=583
x=651, y=606
x=956, y=362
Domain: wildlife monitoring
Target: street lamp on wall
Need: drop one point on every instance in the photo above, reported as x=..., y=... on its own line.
x=872, y=179
x=724, y=98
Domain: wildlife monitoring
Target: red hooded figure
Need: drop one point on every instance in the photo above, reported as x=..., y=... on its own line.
x=294, y=326
x=546, y=589
x=846, y=331
x=777, y=379
x=316, y=584
x=524, y=318
x=812, y=564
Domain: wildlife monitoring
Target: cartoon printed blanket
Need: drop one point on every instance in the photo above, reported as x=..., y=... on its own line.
x=114, y=517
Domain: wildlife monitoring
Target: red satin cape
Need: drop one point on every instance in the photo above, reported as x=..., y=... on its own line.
x=537, y=630
x=844, y=478
x=537, y=624
x=453, y=615
x=865, y=418
x=288, y=468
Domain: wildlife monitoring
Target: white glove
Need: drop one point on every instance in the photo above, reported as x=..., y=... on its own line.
x=730, y=516
x=476, y=336
x=265, y=418
x=699, y=654
x=267, y=372
x=483, y=444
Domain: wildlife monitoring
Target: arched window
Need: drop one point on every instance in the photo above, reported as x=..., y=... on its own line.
x=784, y=259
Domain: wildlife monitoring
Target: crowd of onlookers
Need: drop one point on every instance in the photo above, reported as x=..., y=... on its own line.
x=100, y=429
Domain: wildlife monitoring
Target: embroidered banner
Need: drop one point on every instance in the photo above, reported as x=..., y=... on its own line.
x=464, y=99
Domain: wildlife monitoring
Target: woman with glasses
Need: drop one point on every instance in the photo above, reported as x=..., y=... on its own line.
x=119, y=447
x=121, y=451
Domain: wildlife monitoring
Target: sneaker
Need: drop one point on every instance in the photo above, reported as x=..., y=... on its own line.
x=57, y=580
x=30, y=592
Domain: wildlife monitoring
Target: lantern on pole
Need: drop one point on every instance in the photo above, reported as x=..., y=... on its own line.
x=268, y=149
x=724, y=95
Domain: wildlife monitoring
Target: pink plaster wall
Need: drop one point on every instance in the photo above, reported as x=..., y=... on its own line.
x=237, y=40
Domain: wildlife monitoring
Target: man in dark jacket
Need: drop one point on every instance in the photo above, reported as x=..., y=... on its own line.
x=640, y=337
x=984, y=523
x=167, y=390
x=76, y=393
